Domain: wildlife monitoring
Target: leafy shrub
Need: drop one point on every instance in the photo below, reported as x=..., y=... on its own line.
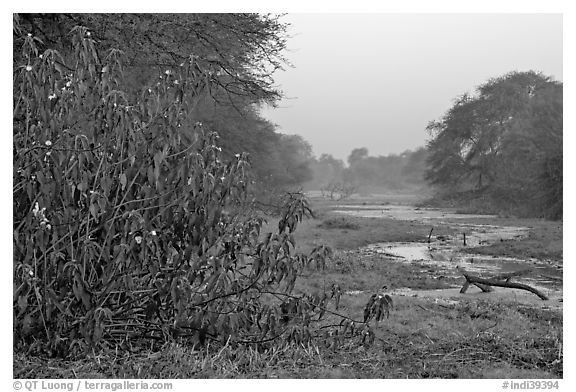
x=128, y=224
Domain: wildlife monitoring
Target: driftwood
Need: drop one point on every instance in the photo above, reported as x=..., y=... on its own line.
x=499, y=281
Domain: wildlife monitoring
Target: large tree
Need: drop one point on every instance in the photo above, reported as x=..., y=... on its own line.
x=505, y=141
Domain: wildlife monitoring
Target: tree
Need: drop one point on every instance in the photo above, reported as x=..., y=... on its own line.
x=356, y=155
x=414, y=169
x=453, y=152
x=326, y=170
x=336, y=164
x=237, y=53
x=244, y=130
x=498, y=142
x=296, y=156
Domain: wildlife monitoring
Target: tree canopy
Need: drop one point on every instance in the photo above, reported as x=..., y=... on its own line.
x=238, y=53
x=504, y=142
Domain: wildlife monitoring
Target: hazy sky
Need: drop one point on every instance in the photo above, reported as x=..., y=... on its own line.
x=376, y=80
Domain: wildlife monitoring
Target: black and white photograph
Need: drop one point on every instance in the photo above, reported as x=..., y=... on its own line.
x=268, y=194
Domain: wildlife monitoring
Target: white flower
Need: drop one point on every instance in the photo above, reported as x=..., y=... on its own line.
x=48, y=153
x=237, y=155
x=48, y=227
x=167, y=72
x=68, y=83
x=176, y=82
x=31, y=273
x=88, y=33
x=48, y=143
x=222, y=178
x=36, y=209
x=29, y=35
x=153, y=232
x=28, y=68
x=138, y=239
x=52, y=96
x=40, y=56
x=149, y=90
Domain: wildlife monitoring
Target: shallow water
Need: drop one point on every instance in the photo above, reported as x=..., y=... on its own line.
x=453, y=262
x=446, y=251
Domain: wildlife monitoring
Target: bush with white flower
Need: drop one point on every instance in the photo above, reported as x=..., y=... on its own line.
x=135, y=228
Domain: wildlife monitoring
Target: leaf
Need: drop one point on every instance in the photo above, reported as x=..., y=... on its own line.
x=94, y=210
x=79, y=292
x=123, y=180
x=98, y=331
x=27, y=325
x=22, y=304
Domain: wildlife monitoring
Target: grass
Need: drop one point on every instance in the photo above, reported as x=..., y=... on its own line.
x=544, y=241
x=421, y=338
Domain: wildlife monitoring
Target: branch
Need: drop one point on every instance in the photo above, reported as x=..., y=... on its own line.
x=308, y=302
x=493, y=282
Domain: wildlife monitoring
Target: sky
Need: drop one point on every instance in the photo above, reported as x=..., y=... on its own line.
x=376, y=80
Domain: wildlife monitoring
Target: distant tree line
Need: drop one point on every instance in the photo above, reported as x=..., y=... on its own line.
x=501, y=148
x=364, y=172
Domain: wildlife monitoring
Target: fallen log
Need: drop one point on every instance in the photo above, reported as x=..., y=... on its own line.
x=509, y=275
x=475, y=280
x=483, y=287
